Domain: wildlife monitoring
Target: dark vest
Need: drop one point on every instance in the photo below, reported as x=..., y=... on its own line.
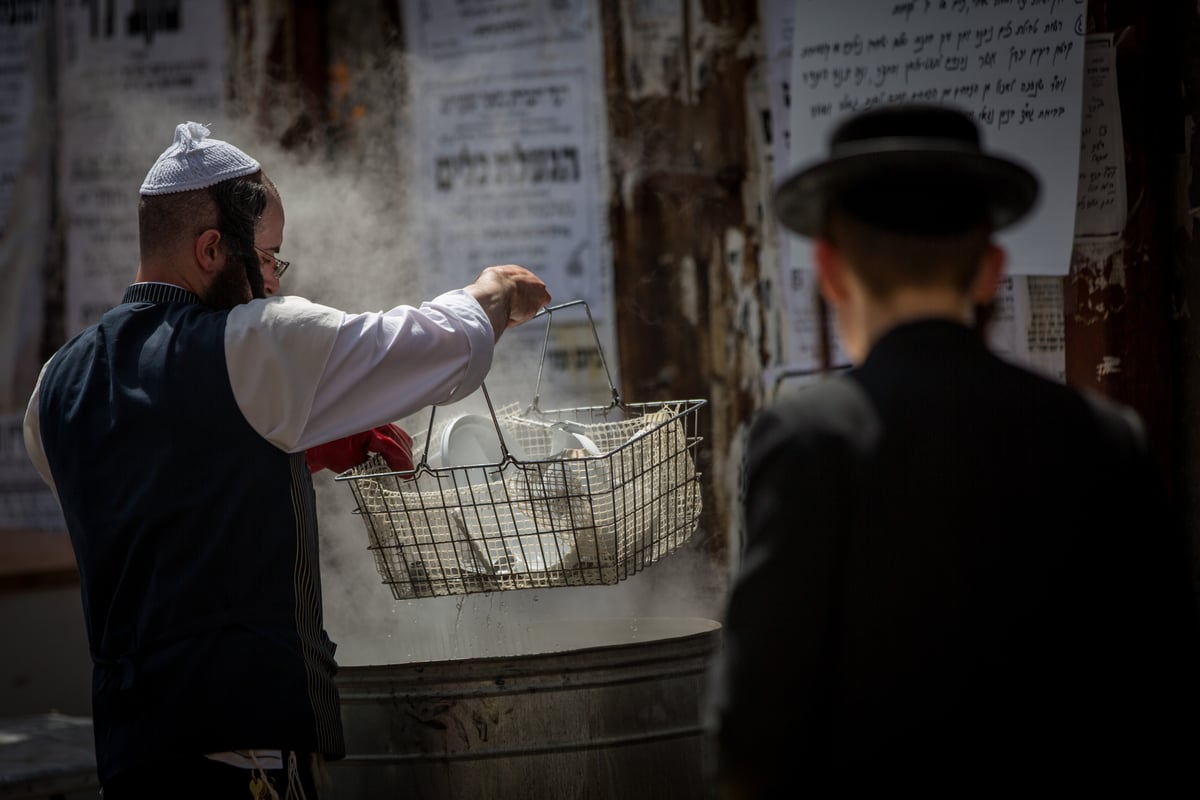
x=196, y=541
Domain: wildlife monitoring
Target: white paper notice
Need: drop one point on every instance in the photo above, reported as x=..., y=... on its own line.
x=509, y=118
x=1100, y=208
x=779, y=18
x=802, y=325
x=129, y=71
x=1014, y=65
x=21, y=43
x=510, y=160
x=1027, y=326
x=26, y=502
x=652, y=35
x=26, y=191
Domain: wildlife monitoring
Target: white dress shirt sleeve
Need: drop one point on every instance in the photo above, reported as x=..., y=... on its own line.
x=33, y=435
x=304, y=374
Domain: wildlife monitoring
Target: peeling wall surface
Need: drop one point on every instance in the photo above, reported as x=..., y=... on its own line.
x=685, y=240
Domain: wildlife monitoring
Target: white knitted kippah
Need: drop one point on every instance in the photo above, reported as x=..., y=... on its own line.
x=194, y=161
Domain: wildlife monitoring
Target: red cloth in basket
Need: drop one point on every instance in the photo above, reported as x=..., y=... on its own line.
x=390, y=441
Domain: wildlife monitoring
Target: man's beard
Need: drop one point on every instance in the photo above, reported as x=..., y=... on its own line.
x=235, y=285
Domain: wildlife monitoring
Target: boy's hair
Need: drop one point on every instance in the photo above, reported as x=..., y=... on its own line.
x=886, y=260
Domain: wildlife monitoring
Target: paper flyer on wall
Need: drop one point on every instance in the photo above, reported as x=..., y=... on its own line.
x=1100, y=206
x=797, y=285
x=26, y=502
x=21, y=45
x=509, y=151
x=127, y=72
x=1016, y=68
x=26, y=196
x=652, y=35
x=1027, y=325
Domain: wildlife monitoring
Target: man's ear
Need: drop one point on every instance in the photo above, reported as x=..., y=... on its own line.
x=208, y=252
x=991, y=272
x=831, y=273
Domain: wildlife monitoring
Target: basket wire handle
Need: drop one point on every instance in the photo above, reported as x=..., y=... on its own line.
x=548, y=313
x=424, y=462
x=505, y=456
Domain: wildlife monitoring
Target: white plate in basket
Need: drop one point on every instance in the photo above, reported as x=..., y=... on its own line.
x=471, y=441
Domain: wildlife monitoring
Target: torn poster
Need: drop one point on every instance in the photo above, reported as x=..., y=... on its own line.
x=1100, y=206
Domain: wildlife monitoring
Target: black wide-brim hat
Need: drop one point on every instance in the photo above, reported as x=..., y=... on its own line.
x=911, y=168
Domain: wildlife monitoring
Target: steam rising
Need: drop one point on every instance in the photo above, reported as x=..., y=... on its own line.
x=353, y=245
x=371, y=627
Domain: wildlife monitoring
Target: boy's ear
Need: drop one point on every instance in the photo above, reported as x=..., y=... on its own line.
x=991, y=272
x=831, y=273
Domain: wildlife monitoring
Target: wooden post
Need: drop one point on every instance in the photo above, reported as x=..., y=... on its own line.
x=685, y=239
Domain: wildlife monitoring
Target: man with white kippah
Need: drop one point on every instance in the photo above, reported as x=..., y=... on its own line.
x=174, y=432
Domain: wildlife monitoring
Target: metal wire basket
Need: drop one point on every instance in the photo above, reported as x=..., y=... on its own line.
x=575, y=497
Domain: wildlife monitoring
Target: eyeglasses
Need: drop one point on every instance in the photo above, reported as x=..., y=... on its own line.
x=280, y=265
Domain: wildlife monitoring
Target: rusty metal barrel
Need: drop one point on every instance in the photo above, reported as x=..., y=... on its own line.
x=593, y=709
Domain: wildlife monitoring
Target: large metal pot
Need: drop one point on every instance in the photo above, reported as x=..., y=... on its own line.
x=597, y=709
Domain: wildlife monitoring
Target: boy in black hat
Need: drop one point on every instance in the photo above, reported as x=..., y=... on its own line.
x=956, y=574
